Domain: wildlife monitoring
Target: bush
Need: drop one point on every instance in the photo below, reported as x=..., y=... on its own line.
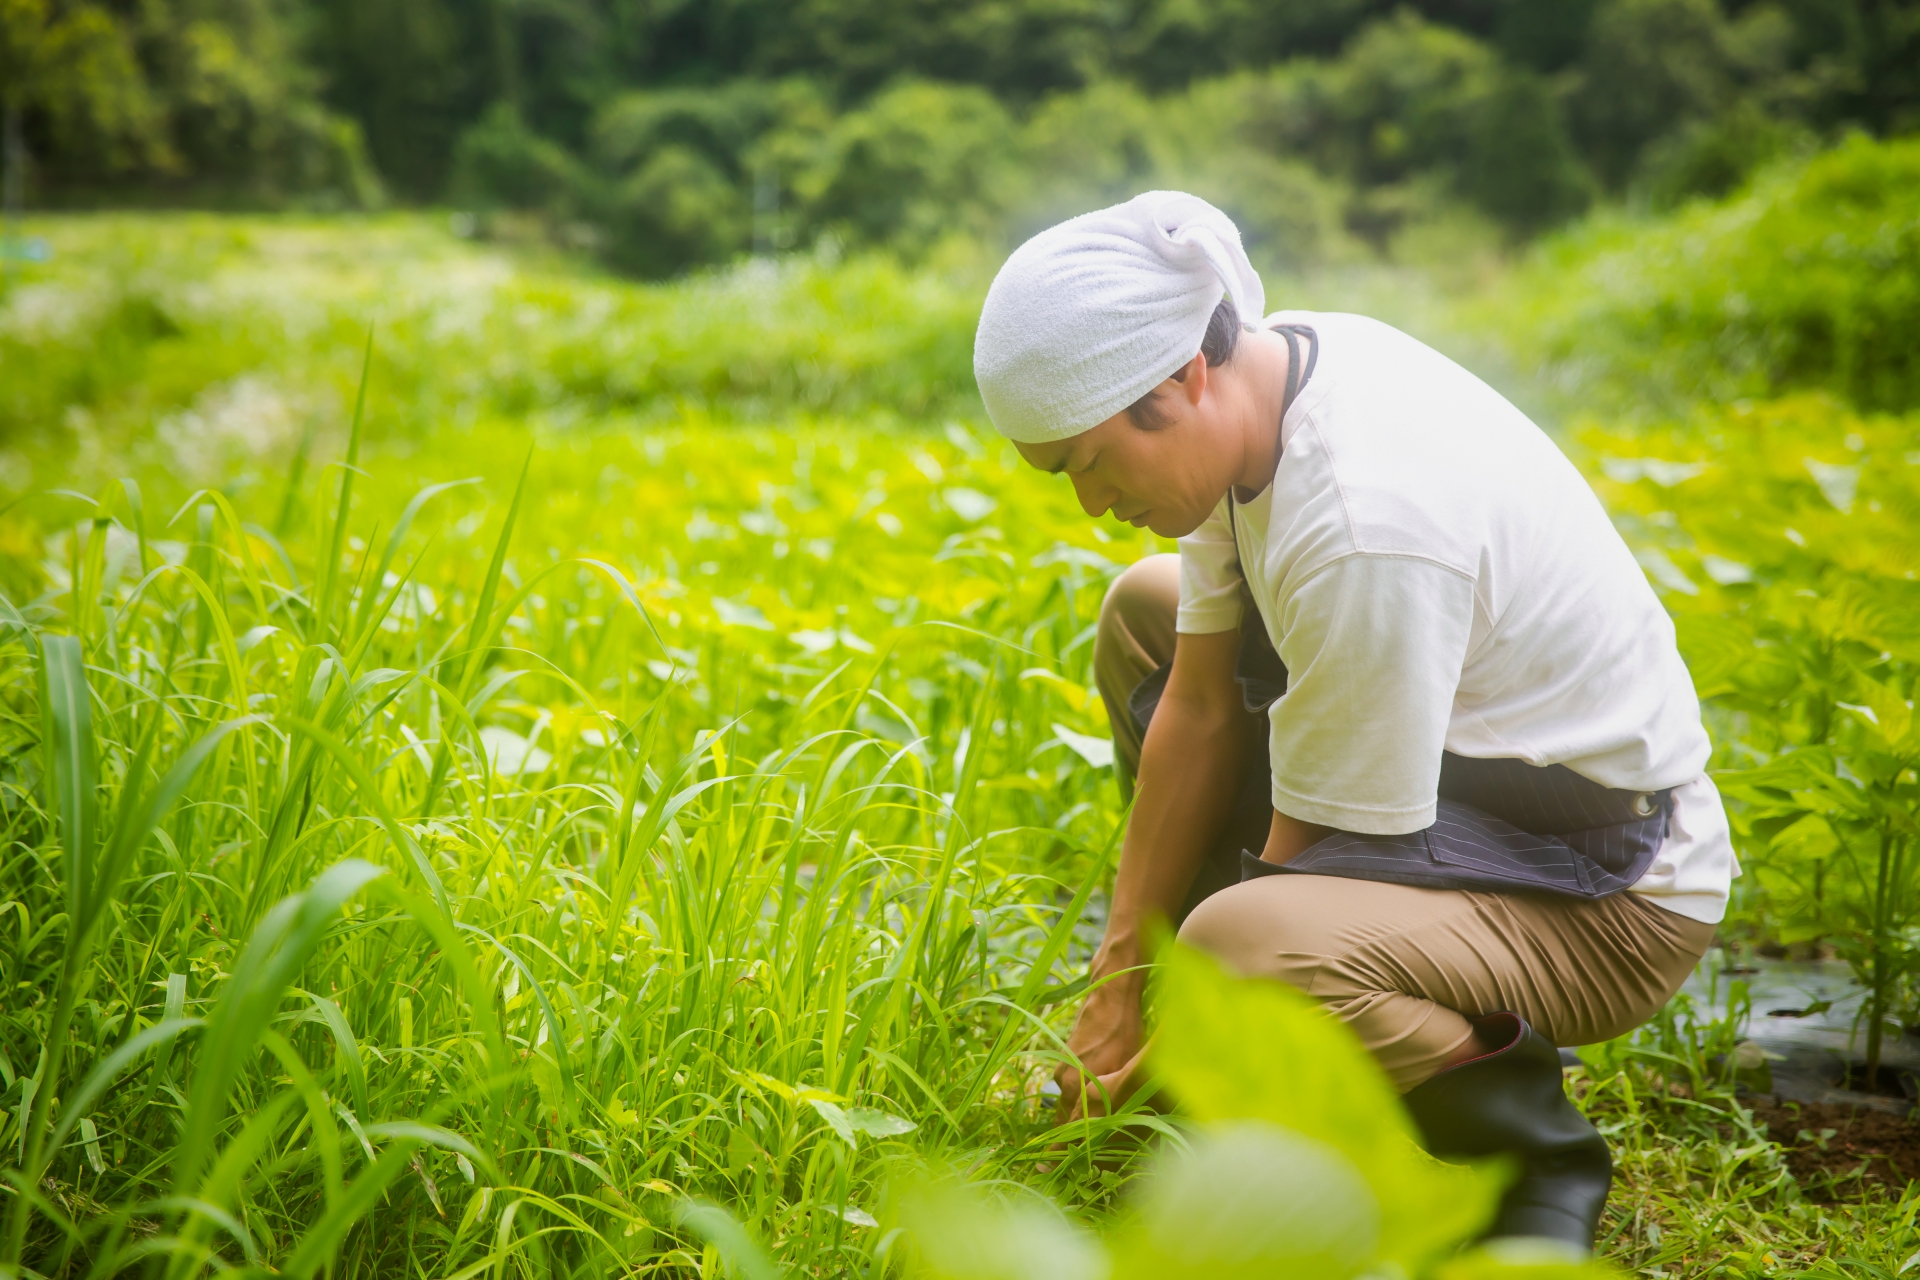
x=500, y=161
x=1808, y=278
x=921, y=160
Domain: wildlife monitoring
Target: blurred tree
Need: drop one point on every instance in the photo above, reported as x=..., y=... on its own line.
x=501, y=161
x=671, y=129
x=415, y=75
x=1166, y=44
x=71, y=68
x=1018, y=50
x=1518, y=163
x=919, y=161
x=1411, y=101
x=677, y=166
x=242, y=106
x=202, y=96
x=1655, y=66
x=1862, y=58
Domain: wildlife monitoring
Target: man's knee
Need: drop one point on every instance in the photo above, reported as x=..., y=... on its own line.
x=1142, y=599
x=1247, y=927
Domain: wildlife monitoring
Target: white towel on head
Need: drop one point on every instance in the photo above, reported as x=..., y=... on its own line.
x=1088, y=316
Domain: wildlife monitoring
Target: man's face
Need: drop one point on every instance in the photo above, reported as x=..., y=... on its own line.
x=1168, y=479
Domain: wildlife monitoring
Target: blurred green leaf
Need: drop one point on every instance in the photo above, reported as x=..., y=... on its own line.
x=1244, y=1049
x=1249, y=1200
x=961, y=1233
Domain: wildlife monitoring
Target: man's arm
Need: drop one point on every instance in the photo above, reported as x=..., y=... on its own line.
x=1190, y=767
x=1290, y=837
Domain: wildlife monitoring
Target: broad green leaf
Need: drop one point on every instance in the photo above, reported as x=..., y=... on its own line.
x=1247, y=1049
x=876, y=1123
x=1247, y=1201
x=1891, y=714
x=1809, y=839
x=836, y=1119
x=959, y=1233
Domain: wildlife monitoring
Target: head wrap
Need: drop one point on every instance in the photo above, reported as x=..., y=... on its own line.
x=1090, y=315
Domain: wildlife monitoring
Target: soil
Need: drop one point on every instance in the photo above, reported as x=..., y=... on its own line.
x=1865, y=1145
x=1889, y=1082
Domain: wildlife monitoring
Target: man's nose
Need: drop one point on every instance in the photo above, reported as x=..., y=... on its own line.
x=1096, y=499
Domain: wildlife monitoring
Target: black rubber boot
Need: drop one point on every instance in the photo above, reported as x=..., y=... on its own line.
x=1513, y=1101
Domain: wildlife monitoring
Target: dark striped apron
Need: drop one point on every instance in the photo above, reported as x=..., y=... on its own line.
x=1501, y=825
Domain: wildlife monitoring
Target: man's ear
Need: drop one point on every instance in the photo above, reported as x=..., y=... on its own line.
x=1192, y=377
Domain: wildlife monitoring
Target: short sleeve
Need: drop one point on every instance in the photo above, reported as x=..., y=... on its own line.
x=1374, y=646
x=1210, y=595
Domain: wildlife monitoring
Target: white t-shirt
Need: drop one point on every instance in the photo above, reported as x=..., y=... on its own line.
x=1435, y=574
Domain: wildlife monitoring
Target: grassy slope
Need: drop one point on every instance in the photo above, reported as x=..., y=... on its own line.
x=847, y=913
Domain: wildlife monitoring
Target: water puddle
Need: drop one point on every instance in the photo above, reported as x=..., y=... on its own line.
x=1806, y=1018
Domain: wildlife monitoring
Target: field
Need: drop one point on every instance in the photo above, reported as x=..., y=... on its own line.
x=615, y=751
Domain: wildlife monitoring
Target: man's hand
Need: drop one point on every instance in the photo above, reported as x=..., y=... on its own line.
x=1106, y=1092
x=1106, y=1036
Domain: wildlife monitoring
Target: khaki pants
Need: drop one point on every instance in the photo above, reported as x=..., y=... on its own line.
x=1403, y=966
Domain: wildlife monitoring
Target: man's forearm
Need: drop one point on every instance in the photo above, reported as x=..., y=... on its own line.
x=1190, y=769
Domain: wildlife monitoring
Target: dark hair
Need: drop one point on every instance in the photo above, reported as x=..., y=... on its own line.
x=1217, y=346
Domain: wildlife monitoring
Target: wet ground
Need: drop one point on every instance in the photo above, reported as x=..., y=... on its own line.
x=1806, y=1019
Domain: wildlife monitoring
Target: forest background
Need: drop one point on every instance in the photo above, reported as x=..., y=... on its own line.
x=665, y=134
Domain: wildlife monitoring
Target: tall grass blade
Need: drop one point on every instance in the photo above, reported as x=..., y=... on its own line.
x=72, y=762
x=739, y=1251
x=72, y=775
x=108, y=1069
x=281, y=943
x=480, y=630
x=337, y=535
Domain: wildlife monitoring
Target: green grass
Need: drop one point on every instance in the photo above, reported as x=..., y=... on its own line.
x=714, y=776
x=165, y=324
x=1701, y=1191
x=765, y=797
x=737, y=792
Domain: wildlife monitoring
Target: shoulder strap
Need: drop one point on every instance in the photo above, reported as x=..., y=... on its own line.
x=1297, y=376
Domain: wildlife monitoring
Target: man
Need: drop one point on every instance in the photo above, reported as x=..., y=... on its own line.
x=1402, y=654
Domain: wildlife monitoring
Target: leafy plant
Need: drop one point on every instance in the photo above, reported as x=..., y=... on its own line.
x=1299, y=1160
x=1785, y=535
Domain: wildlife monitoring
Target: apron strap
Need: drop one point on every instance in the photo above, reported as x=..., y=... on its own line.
x=1297, y=378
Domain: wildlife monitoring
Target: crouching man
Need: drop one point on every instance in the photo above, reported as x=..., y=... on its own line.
x=1408, y=727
